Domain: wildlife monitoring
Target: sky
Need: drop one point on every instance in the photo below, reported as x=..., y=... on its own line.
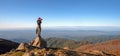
x=24, y=13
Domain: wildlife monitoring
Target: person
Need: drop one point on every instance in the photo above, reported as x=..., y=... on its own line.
x=38, y=29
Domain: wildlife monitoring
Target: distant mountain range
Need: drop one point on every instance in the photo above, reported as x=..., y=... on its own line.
x=73, y=33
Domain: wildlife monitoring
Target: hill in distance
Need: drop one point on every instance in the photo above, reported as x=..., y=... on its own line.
x=7, y=45
x=109, y=47
x=61, y=43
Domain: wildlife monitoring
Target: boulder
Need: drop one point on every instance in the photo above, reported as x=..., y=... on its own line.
x=66, y=48
x=28, y=54
x=22, y=46
x=38, y=42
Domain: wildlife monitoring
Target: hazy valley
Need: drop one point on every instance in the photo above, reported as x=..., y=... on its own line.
x=91, y=34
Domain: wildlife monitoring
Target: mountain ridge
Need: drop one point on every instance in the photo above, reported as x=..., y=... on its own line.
x=7, y=45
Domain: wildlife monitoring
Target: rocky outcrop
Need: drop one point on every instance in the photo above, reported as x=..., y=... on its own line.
x=22, y=46
x=66, y=48
x=43, y=52
x=28, y=54
x=38, y=42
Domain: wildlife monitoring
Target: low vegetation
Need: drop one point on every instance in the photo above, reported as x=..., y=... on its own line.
x=109, y=47
x=61, y=43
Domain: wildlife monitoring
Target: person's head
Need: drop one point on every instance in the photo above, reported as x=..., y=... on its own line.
x=39, y=20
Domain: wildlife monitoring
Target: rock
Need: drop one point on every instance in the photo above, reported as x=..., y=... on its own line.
x=38, y=42
x=60, y=53
x=66, y=48
x=22, y=46
x=95, y=52
x=28, y=54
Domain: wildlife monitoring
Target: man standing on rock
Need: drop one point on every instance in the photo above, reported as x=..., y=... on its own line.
x=38, y=29
x=38, y=41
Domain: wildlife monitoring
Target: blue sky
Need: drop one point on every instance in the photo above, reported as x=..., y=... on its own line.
x=24, y=13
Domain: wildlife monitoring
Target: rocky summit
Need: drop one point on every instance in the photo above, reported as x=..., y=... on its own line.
x=22, y=46
x=42, y=52
x=38, y=42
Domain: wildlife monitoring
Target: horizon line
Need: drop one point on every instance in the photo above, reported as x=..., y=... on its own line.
x=45, y=27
